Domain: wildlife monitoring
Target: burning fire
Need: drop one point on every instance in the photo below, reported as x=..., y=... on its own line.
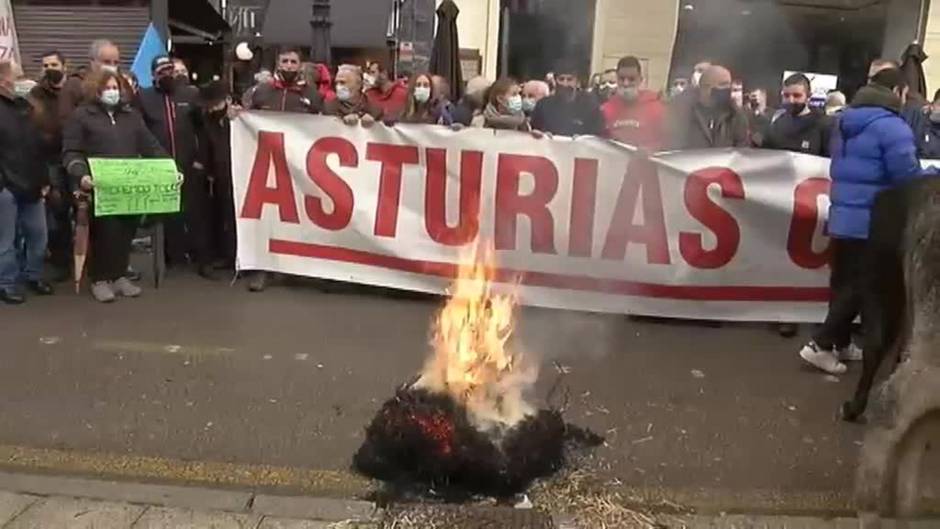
x=471, y=360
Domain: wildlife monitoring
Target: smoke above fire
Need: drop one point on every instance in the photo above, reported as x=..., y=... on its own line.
x=472, y=360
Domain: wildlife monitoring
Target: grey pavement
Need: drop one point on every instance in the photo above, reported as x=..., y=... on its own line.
x=52, y=502
x=720, y=419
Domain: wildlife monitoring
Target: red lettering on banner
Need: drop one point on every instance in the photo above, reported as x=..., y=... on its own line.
x=435, y=198
x=510, y=204
x=393, y=158
x=712, y=216
x=583, y=206
x=335, y=187
x=641, y=180
x=270, y=150
x=803, y=224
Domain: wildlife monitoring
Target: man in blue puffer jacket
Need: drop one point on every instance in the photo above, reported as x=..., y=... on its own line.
x=873, y=149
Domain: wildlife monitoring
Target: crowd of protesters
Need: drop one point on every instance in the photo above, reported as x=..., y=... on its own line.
x=50, y=128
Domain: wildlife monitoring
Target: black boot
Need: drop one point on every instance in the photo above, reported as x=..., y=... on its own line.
x=41, y=288
x=12, y=298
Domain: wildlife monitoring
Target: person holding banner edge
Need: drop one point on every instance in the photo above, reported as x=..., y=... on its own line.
x=107, y=127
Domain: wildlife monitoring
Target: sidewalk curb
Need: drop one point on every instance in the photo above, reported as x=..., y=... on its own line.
x=195, y=498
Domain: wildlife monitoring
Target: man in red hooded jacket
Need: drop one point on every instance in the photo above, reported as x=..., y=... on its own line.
x=634, y=116
x=390, y=96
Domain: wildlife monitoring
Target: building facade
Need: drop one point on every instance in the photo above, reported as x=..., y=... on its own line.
x=615, y=28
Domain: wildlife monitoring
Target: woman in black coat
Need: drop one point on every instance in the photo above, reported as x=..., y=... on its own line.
x=106, y=127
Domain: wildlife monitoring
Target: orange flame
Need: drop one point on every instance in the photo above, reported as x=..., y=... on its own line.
x=471, y=360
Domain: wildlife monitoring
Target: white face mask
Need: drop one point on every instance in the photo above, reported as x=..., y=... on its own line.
x=22, y=88
x=368, y=80
x=109, y=68
x=111, y=98
x=343, y=93
x=422, y=94
x=696, y=77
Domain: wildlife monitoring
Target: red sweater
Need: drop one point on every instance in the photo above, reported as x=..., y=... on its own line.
x=640, y=123
x=393, y=103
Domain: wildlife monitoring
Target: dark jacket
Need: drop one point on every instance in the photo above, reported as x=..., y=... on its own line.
x=873, y=149
x=691, y=125
x=72, y=96
x=22, y=171
x=281, y=97
x=759, y=124
x=215, y=152
x=559, y=115
x=464, y=111
x=360, y=107
x=93, y=132
x=915, y=117
x=46, y=99
x=174, y=119
x=931, y=142
x=808, y=134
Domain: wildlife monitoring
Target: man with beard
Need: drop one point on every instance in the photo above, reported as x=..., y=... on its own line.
x=708, y=118
x=171, y=113
x=633, y=115
x=386, y=93
x=45, y=96
x=568, y=112
x=798, y=128
x=287, y=92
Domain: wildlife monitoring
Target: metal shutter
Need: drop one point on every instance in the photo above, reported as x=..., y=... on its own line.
x=71, y=29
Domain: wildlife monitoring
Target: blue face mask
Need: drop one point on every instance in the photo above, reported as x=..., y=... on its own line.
x=528, y=105
x=343, y=93
x=514, y=104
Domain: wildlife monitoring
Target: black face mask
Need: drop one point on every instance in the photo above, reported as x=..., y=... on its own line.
x=564, y=91
x=54, y=77
x=166, y=83
x=796, y=109
x=288, y=77
x=182, y=80
x=218, y=114
x=721, y=97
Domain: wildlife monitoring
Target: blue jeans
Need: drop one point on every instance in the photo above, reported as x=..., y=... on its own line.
x=23, y=238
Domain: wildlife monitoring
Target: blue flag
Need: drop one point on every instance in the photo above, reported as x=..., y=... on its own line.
x=150, y=47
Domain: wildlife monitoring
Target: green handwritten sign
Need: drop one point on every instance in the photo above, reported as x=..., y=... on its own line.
x=135, y=187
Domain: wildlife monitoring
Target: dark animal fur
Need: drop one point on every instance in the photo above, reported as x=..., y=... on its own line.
x=906, y=411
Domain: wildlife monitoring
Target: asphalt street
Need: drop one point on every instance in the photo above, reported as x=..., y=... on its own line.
x=724, y=418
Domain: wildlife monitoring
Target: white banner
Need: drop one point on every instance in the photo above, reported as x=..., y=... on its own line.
x=9, y=49
x=579, y=224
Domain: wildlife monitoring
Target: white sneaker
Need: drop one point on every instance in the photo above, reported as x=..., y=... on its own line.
x=124, y=287
x=824, y=360
x=102, y=292
x=852, y=353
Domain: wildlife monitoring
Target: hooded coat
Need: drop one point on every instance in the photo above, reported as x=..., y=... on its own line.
x=873, y=149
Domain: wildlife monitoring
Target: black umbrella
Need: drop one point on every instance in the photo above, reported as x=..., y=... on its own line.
x=445, y=57
x=912, y=66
